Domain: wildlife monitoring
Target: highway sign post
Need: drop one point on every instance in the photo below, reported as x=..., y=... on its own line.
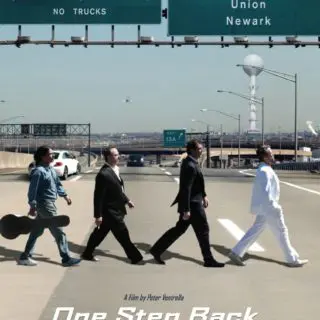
x=174, y=138
x=46, y=130
x=80, y=12
x=243, y=17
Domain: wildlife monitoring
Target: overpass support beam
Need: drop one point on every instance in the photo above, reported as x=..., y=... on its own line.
x=158, y=158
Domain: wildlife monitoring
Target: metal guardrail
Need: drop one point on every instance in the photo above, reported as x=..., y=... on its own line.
x=298, y=166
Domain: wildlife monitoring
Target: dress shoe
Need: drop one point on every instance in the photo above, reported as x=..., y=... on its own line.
x=157, y=257
x=213, y=264
x=89, y=258
x=236, y=259
x=137, y=261
x=298, y=263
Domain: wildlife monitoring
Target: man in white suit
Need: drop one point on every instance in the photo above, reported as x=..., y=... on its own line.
x=265, y=205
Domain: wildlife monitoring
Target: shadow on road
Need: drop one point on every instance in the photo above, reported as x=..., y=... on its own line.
x=167, y=254
x=78, y=249
x=13, y=255
x=225, y=252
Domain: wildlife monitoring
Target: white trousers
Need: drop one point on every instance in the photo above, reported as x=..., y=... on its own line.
x=275, y=220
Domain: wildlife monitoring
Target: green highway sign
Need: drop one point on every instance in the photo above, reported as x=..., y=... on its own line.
x=50, y=129
x=174, y=138
x=80, y=12
x=243, y=17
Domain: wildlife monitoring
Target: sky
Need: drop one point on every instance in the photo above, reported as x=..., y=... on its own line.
x=167, y=86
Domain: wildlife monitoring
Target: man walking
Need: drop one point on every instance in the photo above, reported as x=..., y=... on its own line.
x=44, y=188
x=192, y=200
x=265, y=205
x=110, y=209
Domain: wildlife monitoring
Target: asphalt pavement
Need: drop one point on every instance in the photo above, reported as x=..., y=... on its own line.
x=265, y=286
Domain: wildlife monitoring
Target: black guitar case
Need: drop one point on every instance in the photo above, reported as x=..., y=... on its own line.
x=12, y=225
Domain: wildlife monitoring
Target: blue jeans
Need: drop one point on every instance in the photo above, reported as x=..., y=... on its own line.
x=47, y=208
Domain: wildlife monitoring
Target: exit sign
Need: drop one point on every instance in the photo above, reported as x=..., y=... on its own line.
x=174, y=138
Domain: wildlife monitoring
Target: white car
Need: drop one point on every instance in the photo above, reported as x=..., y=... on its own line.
x=65, y=164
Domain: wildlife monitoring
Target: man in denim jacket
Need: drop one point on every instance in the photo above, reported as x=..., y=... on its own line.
x=44, y=189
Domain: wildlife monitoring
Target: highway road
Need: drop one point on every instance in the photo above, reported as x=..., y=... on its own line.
x=265, y=285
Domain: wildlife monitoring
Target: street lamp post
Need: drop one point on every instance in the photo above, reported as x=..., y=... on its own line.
x=208, y=147
x=262, y=119
x=239, y=139
x=257, y=100
x=295, y=116
x=208, y=142
x=291, y=78
x=221, y=144
x=238, y=118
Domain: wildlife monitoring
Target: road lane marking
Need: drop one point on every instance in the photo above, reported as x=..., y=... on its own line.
x=301, y=188
x=177, y=180
x=88, y=171
x=237, y=233
x=75, y=179
x=245, y=172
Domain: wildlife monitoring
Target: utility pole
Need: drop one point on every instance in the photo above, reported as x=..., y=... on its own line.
x=89, y=145
x=262, y=119
x=221, y=145
x=239, y=139
x=208, y=147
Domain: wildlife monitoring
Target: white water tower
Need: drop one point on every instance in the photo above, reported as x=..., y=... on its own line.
x=253, y=66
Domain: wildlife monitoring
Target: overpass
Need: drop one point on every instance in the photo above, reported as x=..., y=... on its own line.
x=252, y=151
x=213, y=151
x=127, y=149
x=246, y=153
x=161, y=151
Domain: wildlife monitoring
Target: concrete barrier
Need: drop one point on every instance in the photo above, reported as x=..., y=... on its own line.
x=15, y=160
x=93, y=159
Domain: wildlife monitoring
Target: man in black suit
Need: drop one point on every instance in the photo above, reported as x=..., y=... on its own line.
x=192, y=200
x=110, y=209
